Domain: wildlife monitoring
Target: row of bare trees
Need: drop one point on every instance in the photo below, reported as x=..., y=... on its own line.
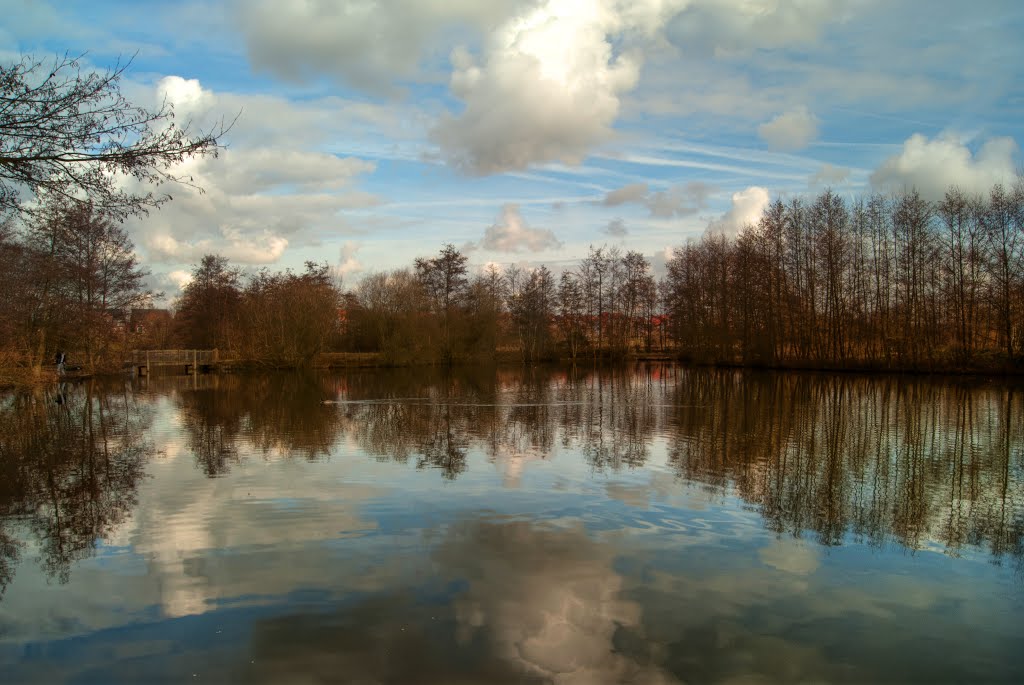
x=878, y=282
x=279, y=318
x=73, y=282
x=70, y=277
x=608, y=305
x=875, y=282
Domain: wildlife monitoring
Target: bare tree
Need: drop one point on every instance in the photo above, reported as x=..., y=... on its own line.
x=1005, y=234
x=963, y=265
x=571, y=313
x=393, y=317
x=70, y=133
x=444, y=279
x=531, y=304
x=207, y=311
x=287, y=318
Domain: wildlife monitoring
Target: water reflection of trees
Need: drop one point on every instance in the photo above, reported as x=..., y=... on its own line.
x=274, y=413
x=877, y=458
x=436, y=416
x=70, y=465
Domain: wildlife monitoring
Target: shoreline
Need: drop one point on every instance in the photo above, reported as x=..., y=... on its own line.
x=21, y=378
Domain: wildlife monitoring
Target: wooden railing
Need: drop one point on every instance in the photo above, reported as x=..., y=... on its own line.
x=144, y=361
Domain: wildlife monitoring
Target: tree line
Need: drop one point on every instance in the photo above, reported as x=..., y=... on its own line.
x=872, y=282
x=878, y=282
x=888, y=282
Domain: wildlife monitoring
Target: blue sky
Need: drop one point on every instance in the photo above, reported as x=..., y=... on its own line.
x=371, y=132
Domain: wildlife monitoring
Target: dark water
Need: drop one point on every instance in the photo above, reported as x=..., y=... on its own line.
x=650, y=525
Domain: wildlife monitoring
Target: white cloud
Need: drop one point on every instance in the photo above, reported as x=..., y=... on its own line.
x=263, y=194
x=511, y=234
x=265, y=248
x=547, y=88
x=186, y=95
x=255, y=170
x=725, y=28
x=367, y=43
x=747, y=207
x=682, y=199
x=828, y=174
x=616, y=228
x=792, y=130
x=489, y=267
x=634, y=192
x=933, y=166
x=347, y=262
x=180, y=278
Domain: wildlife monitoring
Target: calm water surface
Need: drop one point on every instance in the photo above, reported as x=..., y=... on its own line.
x=646, y=525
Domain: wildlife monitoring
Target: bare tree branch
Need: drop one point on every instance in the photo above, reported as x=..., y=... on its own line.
x=70, y=133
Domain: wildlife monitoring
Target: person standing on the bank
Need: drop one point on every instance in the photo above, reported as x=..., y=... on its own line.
x=60, y=362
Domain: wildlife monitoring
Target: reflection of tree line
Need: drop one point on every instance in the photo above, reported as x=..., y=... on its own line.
x=877, y=458
x=280, y=413
x=70, y=465
x=436, y=417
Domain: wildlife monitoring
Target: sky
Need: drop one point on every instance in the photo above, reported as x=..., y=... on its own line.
x=371, y=132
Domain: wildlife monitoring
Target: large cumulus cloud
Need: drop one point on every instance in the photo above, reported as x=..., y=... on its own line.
x=933, y=166
x=547, y=88
x=747, y=207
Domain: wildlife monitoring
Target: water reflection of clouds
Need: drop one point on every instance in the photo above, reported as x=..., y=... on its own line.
x=793, y=556
x=195, y=541
x=547, y=598
x=202, y=537
x=721, y=616
x=512, y=463
x=546, y=541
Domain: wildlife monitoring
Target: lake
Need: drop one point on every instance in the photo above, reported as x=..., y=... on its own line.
x=647, y=524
